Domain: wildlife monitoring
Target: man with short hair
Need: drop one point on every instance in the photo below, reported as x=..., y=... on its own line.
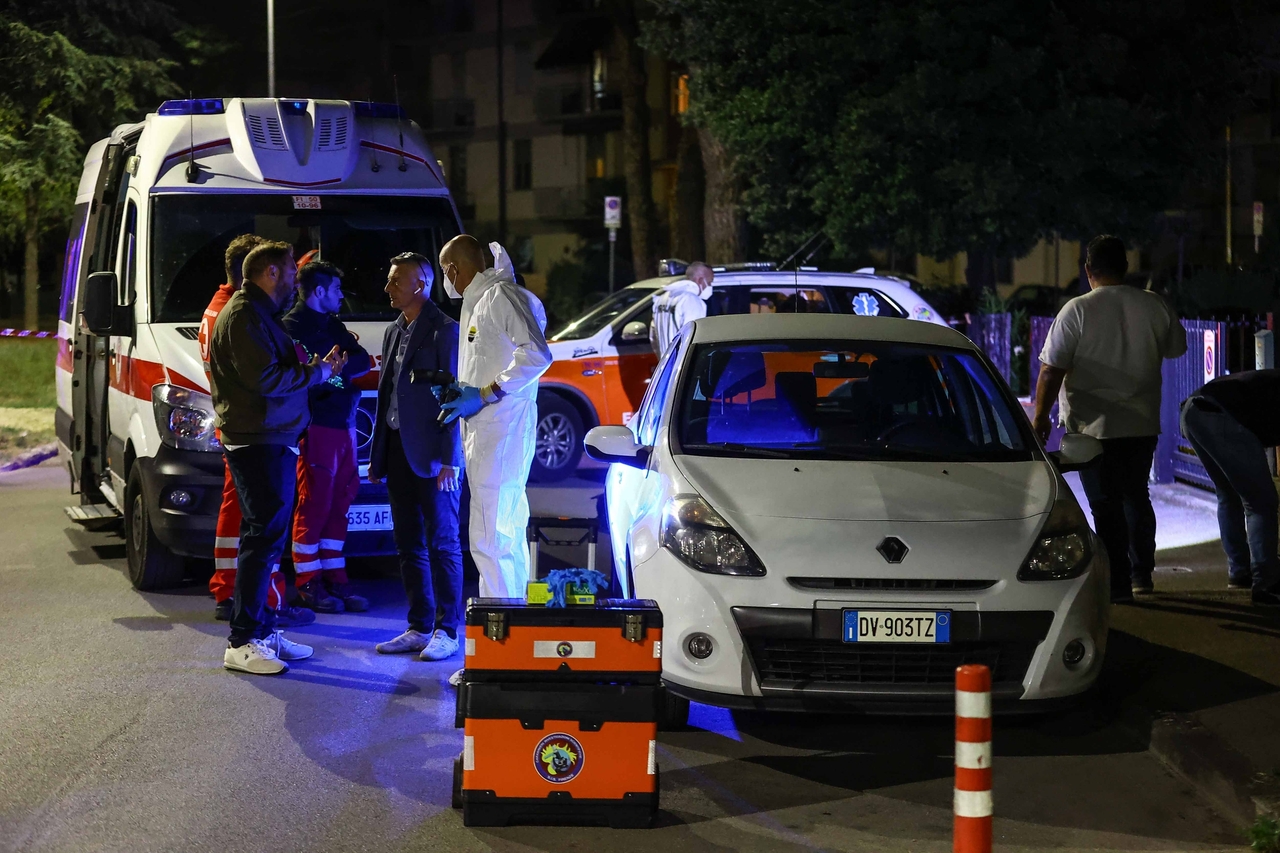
x=227, y=532
x=679, y=304
x=1104, y=353
x=259, y=387
x=421, y=460
x=328, y=475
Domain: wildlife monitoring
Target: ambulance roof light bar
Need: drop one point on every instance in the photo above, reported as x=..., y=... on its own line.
x=193, y=107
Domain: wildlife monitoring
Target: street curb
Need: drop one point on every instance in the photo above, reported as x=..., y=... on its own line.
x=1220, y=774
x=31, y=457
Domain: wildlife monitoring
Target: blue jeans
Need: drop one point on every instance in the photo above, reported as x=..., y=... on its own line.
x=1236, y=462
x=1121, y=505
x=265, y=476
x=425, y=528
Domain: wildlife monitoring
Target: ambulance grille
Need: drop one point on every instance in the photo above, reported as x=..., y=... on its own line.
x=332, y=135
x=783, y=662
x=267, y=133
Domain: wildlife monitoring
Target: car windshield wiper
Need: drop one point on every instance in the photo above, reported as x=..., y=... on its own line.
x=835, y=452
x=741, y=448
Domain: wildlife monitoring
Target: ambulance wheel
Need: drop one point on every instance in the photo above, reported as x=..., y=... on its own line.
x=457, y=783
x=151, y=564
x=675, y=712
x=557, y=439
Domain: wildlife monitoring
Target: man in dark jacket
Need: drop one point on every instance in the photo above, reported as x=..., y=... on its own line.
x=259, y=388
x=421, y=461
x=328, y=475
x=1230, y=422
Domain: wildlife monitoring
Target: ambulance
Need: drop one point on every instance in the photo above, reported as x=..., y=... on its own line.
x=159, y=201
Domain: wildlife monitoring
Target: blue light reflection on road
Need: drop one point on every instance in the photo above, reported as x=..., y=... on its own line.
x=715, y=720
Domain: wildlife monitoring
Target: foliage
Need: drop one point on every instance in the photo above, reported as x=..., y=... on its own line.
x=566, y=292
x=941, y=127
x=1264, y=835
x=1209, y=291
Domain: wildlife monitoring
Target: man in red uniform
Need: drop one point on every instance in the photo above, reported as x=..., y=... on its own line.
x=328, y=474
x=227, y=542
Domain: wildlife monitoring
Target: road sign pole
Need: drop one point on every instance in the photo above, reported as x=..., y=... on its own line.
x=613, y=245
x=612, y=221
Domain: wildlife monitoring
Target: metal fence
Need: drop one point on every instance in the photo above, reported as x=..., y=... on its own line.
x=993, y=333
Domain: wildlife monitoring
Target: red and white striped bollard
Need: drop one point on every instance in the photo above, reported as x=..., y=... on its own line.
x=972, y=803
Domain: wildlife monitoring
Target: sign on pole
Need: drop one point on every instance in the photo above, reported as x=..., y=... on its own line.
x=1210, y=355
x=612, y=211
x=1257, y=225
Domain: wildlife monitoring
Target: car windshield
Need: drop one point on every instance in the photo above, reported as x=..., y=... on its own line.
x=863, y=400
x=601, y=314
x=360, y=234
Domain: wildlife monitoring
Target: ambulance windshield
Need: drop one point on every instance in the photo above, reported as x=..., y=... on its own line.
x=360, y=234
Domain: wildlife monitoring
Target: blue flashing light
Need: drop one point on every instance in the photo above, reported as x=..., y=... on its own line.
x=373, y=109
x=193, y=107
x=293, y=108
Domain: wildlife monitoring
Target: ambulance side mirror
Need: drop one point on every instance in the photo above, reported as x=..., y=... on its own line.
x=616, y=444
x=636, y=330
x=99, y=305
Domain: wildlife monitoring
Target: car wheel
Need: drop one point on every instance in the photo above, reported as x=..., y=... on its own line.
x=675, y=712
x=557, y=439
x=151, y=564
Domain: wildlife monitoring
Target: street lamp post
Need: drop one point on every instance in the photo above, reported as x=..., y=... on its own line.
x=271, y=48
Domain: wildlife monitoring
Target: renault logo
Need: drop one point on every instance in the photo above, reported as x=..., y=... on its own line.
x=893, y=549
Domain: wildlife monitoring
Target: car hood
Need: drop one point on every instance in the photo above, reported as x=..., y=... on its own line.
x=871, y=491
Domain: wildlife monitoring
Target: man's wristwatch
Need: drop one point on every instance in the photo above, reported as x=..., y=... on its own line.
x=492, y=393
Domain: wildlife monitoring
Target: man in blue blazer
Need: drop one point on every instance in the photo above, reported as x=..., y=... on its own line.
x=421, y=462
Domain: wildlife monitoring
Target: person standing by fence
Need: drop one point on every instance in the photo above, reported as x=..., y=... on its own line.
x=1104, y=353
x=1230, y=422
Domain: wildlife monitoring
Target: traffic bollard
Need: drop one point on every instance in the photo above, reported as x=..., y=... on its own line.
x=972, y=803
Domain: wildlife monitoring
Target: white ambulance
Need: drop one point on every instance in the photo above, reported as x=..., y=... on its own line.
x=158, y=203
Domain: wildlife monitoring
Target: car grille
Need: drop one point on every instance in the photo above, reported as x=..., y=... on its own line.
x=835, y=662
x=907, y=584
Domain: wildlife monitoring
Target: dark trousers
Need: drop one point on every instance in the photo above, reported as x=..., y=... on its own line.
x=1121, y=505
x=425, y=522
x=264, y=475
x=1236, y=462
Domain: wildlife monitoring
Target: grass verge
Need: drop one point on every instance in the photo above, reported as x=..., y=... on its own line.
x=26, y=373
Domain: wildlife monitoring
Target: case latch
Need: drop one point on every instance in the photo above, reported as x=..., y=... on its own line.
x=495, y=626
x=633, y=628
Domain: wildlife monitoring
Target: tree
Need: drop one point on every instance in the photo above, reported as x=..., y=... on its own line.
x=940, y=127
x=633, y=78
x=48, y=86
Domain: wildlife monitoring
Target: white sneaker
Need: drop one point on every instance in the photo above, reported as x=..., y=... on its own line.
x=287, y=649
x=409, y=641
x=456, y=678
x=441, y=647
x=254, y=657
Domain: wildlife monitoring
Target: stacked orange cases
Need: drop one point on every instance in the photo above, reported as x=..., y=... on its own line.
x=559, y=709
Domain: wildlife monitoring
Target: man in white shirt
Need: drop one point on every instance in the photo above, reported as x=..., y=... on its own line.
x=680, y=303
x=1104, y=352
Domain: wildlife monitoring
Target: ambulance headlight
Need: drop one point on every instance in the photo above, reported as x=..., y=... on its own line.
x=184, y=418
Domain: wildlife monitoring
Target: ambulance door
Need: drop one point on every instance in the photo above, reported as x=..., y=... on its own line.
x=91, y=354
x=626, y=375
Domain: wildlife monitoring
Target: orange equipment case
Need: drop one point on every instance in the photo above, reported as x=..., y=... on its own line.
x=563, y=753
x=617, y=640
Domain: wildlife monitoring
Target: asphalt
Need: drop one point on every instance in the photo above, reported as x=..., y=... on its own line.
x=119, y=730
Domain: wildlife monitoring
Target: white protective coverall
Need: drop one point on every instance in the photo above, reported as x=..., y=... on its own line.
x=679, y=303
x=502, y=340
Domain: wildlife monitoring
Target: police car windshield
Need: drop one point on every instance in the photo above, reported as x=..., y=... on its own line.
x=601, y=314
x=360, y=234
x=850, y=399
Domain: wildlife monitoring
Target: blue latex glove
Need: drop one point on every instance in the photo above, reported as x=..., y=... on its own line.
x=558, y=579
x=465, y=406
x=437, y=391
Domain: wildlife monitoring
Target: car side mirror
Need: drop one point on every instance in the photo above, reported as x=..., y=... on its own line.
x=636, y=330
x=100, y=302
x=616, y=444
x=1077, y=452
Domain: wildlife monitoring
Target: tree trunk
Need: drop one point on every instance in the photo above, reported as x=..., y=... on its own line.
x=980, y=273
x=633, y=78
x=725, y=221
x=689, y=240
x=31, y=275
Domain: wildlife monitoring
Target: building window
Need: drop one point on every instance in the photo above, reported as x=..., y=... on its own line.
x=679, y=94
x=458, y=172
x=522, y=175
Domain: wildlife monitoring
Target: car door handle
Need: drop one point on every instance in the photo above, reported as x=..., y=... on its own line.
x=591, y=372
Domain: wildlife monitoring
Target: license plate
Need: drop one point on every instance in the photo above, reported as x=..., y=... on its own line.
x=369, y=518
x=897, y=626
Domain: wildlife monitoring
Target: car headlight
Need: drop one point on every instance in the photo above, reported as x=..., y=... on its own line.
x=696, y=533
x=184, y=418
x=1063, y=548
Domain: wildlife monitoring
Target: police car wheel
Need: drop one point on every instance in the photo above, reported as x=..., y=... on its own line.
x=151, y=564
x=557, y=439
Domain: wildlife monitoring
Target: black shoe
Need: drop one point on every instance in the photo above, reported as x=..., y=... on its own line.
x=294, y=617
x=1240, y=583
x=1265, y=598
x=222, y=610
x=1142, y=586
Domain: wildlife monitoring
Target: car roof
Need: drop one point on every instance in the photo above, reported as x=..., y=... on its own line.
x=785, y=277
x=764, y=327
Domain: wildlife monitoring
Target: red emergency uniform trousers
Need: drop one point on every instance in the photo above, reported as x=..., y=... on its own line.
x=328, y=481
x=226, y=548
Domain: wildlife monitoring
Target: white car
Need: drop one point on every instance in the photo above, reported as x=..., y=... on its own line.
x=837, y=511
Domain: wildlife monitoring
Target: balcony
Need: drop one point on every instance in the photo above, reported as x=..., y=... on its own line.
x=579, y=113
